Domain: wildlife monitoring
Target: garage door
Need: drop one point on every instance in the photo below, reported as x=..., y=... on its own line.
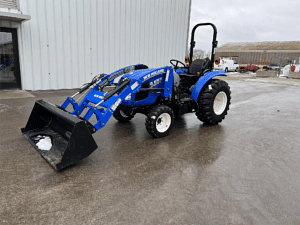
x=11, y=4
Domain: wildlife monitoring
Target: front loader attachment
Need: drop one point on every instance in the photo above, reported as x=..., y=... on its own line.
x=64, y=138
x=70, y=135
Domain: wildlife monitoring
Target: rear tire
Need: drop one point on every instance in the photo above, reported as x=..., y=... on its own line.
x=159, y=121
x=123, y=114
x=226, y=70
x=214, y=102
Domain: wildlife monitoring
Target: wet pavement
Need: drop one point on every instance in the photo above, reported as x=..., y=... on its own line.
x=245, y=170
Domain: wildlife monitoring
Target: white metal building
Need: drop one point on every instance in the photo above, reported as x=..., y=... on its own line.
x=64, y=43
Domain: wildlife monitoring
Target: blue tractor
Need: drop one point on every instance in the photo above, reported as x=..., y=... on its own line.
x=160, y=94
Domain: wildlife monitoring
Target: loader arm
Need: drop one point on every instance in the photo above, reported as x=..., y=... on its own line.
x=102, y=82
x=103, y=104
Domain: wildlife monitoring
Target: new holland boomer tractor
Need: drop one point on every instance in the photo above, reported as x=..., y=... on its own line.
x=158, y=93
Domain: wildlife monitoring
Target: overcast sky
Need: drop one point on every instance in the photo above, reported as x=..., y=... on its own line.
x=246, y=21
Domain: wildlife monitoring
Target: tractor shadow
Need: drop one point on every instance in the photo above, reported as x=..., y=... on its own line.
x=190, y=143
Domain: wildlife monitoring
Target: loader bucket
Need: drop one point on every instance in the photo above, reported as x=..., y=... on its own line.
x=71, y=136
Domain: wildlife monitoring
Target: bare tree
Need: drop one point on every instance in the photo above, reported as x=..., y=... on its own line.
x=207, y=54
x=198, y=53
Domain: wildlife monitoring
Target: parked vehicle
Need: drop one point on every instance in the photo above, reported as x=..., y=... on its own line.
x=248, y=68
x=226, y=64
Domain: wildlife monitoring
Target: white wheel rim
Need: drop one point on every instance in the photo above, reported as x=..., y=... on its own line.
x=163, y=122
x=123, y=114
x=220, y=103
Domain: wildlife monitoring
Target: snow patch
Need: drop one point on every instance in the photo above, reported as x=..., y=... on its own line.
x=3, y=108
x=43, y=142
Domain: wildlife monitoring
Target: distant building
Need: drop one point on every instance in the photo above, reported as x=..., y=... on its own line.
x=260, y=53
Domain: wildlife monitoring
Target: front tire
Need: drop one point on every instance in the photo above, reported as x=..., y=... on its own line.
x=214, y=102
x=226, y=70
x=159, y=121
x=123, y=114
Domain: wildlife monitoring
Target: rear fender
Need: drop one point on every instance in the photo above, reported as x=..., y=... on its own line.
x=203, y=80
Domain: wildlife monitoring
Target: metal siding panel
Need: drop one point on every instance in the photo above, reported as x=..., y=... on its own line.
x=128, y=51
x=87, y=74
x=43, y=42
x=178, y=24
x=142, y=28
x=80, y=43
x=175, y=28
x=73, y=41
x=111, y=36
x=166, y=34
x=183, y=28
x=66, y=43
x=122, y=22
x=139, y=50
x=147, y=39
x=155, y=21
x=117, y=37
x=60, y=42
x=106, y=39
x=157, y=32
x=93, y=38
x=28, y=58
x=35, y=58
x=24, y=51
x=174, y=16
x=188, y=26
x=100, y=38
x=51, y=33
x=138, y=34
x=182, y=31
x=151, y=36
x=29, y=81
x=133, y=34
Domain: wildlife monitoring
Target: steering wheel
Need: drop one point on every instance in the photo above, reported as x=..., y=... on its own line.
x=175, y=63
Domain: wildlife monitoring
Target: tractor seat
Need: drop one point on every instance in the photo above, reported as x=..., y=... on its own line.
x=198, y=66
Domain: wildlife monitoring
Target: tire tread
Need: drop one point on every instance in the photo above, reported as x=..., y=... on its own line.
x=205, y=102
x=151, y=123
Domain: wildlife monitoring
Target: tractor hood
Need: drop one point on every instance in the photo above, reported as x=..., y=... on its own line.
x=142, y=75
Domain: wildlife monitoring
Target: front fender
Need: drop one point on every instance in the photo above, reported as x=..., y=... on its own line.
x=203, y=80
